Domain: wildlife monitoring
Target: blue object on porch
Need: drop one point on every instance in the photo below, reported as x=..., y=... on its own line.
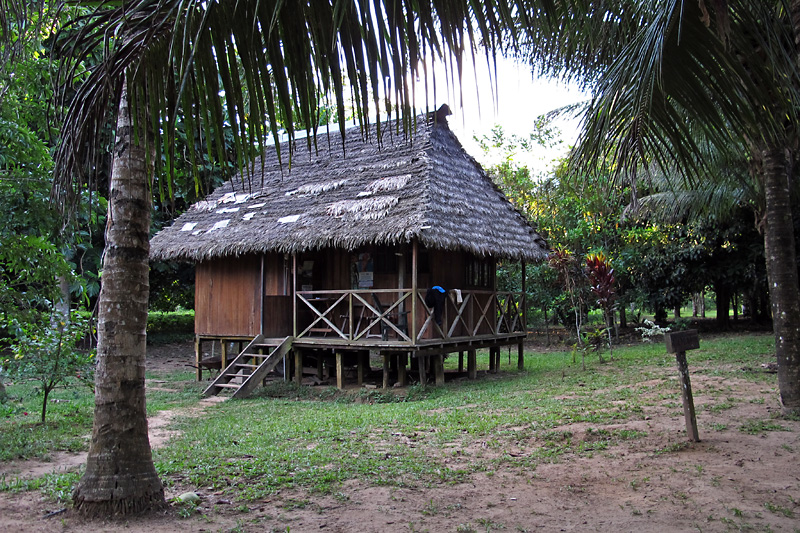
x=434, y=299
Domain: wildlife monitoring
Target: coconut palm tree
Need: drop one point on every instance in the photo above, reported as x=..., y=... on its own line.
x=179, y=56
x=245, y=62
x=699, y=75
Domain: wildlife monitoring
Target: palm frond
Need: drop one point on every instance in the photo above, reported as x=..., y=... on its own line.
x=186, y=55
x=678, y=86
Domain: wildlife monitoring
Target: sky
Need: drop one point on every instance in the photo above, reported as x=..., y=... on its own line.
x=520, y=99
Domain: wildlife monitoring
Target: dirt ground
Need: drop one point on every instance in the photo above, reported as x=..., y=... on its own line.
x=730, y=481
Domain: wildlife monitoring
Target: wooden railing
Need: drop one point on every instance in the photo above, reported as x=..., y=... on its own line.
x=386, y=315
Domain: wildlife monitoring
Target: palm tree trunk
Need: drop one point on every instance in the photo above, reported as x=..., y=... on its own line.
x=779, y=248
x=120, y=478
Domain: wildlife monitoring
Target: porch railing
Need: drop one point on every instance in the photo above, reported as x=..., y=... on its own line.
x=386, y=315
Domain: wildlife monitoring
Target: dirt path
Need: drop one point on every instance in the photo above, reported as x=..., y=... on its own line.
x=733, y=480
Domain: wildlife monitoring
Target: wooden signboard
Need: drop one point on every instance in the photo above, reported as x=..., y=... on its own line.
x=678, y=342
x=682, y=341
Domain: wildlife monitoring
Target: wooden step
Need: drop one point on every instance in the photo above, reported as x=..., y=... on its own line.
x=247, y=381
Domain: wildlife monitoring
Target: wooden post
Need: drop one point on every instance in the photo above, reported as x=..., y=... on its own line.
x=401, y=283
x=423, y=378
x=294, y=294
x=438, y=362
x=360, y=357
x=298, y=367
x=461, y=361
x=224, y=354
x=412, y=329
x=492, y=364
x=386, y=370
x=198, y=355
x=678, y=342
x=339, y=371
x=521, y=355
x=524, y=299
x=319, y=367
x=262, y=289
x=472, y=363
x=402, y=376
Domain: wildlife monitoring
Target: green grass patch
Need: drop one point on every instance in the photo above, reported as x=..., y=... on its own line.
x=315, y=438
x=69, y=421
x=55, y=486
x=69, y=414
x=756, y=426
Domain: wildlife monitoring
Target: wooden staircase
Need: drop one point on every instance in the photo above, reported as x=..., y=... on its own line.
x=245, y=372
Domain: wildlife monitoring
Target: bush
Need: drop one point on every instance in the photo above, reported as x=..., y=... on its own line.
x=46, y=352
x=170, y=322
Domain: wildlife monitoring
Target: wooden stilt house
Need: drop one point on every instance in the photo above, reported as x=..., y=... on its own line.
x=331, y=256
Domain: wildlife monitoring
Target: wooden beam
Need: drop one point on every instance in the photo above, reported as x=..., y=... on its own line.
x=294, y=295
x=385, y=370
x=423, y=378
x=414, y=288
x=524, y=302
x=521, y=355
x=472, y=363
x=438, y=362
x=461, y=361
x=339, y=371
x=197, y=357
x=402, y=376
x=298, y=367
x=261, y=299
x=360, y=357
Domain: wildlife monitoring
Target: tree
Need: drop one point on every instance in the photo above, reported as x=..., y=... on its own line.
x=697, y=74
x=174, y=54
x=120, y=476
x=46, y=351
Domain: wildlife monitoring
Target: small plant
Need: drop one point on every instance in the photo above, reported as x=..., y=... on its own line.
x=754, y=427
x=47, y=352
x=778, y=509
x=682, y=324
x=651, y=330
x=594, y=341
x=187, y=509
x=489, y=524
x=601, y=280
x=431, y=508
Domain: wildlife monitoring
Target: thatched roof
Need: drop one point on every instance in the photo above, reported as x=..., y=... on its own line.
x=422, y=186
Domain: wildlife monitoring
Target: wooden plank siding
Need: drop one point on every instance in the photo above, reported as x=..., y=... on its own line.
x=227, y=297
x=228, y=303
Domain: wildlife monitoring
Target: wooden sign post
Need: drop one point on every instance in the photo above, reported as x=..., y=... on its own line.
x=678, y=342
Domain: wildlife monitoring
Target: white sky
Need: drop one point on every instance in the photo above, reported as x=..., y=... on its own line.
x=519, y=101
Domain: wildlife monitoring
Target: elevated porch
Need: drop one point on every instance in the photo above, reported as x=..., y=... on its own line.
x=340, y=328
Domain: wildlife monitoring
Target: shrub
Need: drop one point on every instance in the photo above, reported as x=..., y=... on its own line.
x=170, y=322
x=46, y=351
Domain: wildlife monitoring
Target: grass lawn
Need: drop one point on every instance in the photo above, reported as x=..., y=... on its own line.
x=316, y=438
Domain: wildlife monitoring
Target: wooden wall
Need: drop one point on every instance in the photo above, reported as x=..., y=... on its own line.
x=227, y=301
